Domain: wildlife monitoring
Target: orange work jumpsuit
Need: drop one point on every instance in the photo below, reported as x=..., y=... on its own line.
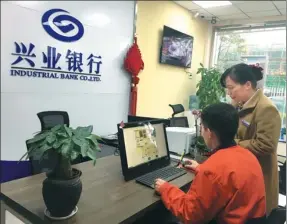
x=228, y=188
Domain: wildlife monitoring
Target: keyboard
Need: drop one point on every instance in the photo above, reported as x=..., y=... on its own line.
x=168, y=173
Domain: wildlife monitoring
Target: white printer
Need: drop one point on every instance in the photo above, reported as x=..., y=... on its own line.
x=180, y=139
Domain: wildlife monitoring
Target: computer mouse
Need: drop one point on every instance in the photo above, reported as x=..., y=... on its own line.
x=156, y=193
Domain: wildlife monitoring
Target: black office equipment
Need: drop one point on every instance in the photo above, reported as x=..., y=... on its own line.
x=140, y=118
x=176, y=48
x=132, y=118
x=178, y=121
x=144, y=150
x=168, y=173
x=277, y=216
x=282, y=175
x=50, y=119
x=176, y=108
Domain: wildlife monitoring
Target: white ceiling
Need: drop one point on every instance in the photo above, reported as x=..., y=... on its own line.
x=238, y=9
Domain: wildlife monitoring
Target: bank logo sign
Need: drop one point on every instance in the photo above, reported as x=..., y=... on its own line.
x=62, y=26
x=55, y=64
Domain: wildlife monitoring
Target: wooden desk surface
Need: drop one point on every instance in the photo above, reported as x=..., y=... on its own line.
x=106, y=197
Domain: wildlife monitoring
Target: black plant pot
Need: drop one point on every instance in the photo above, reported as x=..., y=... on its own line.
x=62, y=196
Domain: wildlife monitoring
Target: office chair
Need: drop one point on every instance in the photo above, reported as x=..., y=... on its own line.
x=47, y=163
x=277, y=216
x=282, y=176
x=50, y=119
x=177, y=108
x=179, y=122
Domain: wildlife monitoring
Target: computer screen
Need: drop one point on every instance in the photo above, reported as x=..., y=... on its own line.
x=144, y=143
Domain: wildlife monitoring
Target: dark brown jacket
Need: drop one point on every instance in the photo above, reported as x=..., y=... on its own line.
x=259, y=131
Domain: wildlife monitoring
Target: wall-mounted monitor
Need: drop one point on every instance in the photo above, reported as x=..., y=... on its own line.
x=176, y=48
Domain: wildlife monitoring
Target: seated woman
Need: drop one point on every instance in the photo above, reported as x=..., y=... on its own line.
x=229, y=186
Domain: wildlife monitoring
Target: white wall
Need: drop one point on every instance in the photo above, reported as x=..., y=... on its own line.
x=108, y=31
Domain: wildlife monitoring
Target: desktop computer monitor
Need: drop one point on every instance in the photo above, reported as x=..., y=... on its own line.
x=143, y=147
x=144, y=144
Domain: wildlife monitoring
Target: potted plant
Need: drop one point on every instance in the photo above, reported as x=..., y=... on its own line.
x=199, y=147
x=209, y=89
x=209, y=92
x=62, y=188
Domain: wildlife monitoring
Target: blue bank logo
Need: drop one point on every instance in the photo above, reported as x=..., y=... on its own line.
x=61, y=26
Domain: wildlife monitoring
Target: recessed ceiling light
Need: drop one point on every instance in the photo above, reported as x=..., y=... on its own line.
x=211, y=4
x=196, y=15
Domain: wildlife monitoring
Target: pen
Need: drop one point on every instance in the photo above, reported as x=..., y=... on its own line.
x=181, y=158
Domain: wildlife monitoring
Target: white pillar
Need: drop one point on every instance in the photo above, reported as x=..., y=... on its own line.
x=208, y=46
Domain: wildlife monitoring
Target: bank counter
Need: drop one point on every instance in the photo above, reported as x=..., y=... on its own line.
x=106, y=197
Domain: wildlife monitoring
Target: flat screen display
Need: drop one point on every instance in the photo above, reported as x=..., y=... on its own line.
x=176, y=48
x=144, y=144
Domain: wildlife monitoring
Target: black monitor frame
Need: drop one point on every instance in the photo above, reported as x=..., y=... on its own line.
x=145, y=119
x=132, y=173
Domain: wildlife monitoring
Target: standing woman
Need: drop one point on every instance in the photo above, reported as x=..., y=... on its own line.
x=259, y=124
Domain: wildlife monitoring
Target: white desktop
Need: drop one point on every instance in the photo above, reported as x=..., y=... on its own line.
x=180, y=139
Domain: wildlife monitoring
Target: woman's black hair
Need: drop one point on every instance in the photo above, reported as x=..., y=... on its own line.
x=223, y=120
x=242, y=73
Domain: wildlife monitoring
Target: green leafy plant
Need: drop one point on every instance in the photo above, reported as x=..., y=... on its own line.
x=209, y=92
x=209, y=88
x=200, y=144
x=67, y=143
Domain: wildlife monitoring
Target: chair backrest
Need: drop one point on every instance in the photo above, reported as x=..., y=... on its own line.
x=50, y=119
x=177, y=108
x=47, y=163
x=179, y=122
x=282, y=176
x=277, y=216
